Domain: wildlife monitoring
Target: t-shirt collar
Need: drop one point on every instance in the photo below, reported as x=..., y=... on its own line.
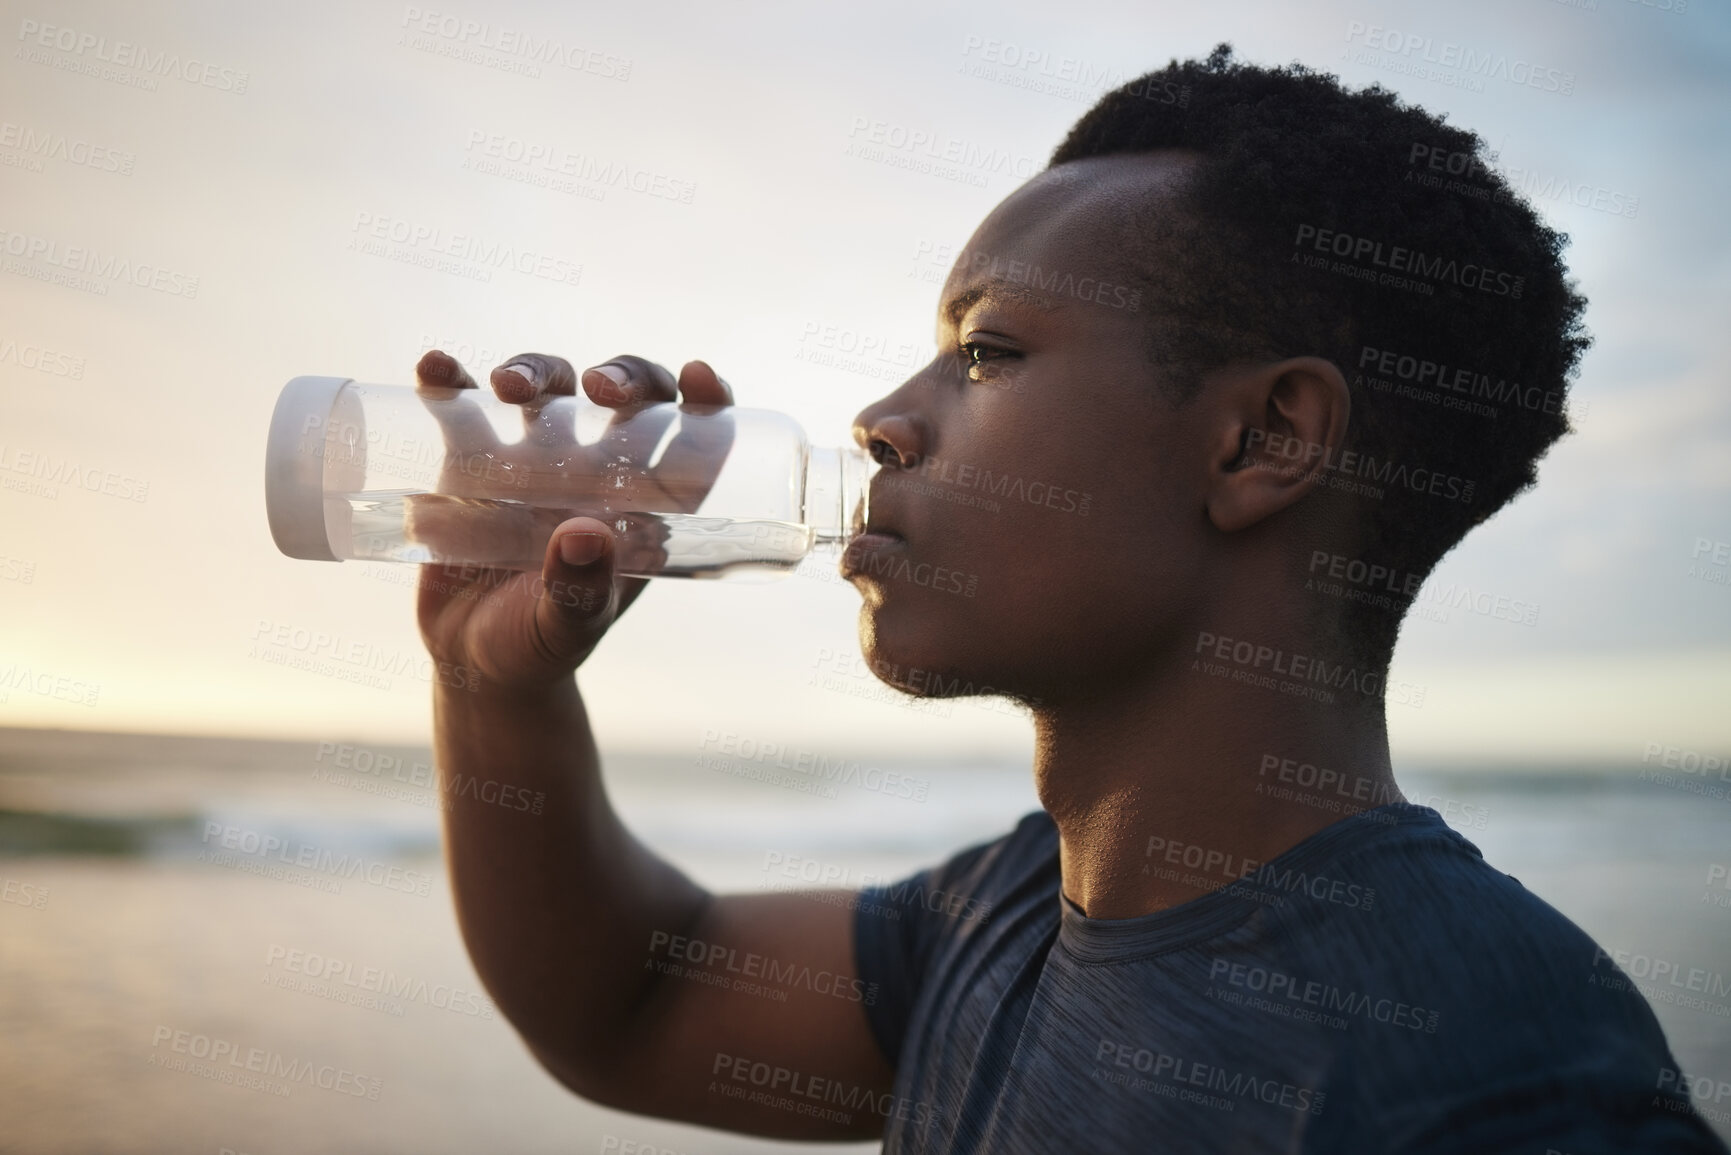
x=1215, y=913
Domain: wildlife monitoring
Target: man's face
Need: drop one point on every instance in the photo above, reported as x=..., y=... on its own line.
x=1047, y=516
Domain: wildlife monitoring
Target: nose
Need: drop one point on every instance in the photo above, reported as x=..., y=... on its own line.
x=894, y=438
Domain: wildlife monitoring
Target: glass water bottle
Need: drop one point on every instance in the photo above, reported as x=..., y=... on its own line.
x=456, y=476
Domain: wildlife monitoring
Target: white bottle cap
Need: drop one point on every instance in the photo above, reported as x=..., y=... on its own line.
x=294, y=467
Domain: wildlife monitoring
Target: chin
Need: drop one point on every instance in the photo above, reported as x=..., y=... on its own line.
x=923, y=657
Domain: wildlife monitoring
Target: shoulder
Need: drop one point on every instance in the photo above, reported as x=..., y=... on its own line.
x=905, y=930
x=1030, y=848
x=1441, y=910
x=1512, y=1012
x=1439, y=919
x=979, y=878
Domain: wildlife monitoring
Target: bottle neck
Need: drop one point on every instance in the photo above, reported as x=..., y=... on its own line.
x=837, y=493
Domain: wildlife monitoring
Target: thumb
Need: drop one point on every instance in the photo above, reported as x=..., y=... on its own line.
x=577, y=597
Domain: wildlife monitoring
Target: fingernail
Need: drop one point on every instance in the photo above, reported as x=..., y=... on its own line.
x=581, y=548
x=615, y=380
x=515, y=383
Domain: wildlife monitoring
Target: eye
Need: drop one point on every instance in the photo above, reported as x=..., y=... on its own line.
x=978, y=355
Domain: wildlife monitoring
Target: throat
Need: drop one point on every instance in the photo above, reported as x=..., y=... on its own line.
x=1151, y=820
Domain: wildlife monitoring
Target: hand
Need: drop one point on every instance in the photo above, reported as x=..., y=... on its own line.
x=515, y=629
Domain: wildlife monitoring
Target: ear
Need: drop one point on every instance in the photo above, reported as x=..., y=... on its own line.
x=1280, y=428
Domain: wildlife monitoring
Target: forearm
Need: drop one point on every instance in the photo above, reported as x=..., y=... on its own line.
x=556, y=908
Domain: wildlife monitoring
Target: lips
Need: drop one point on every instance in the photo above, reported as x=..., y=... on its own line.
x=876, y=519
x=875, y=539
x=875, y=536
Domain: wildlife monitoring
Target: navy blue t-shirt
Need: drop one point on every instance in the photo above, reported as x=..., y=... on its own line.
x=1377, y=987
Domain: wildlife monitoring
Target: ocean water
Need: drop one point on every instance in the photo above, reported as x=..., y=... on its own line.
x=124, y=921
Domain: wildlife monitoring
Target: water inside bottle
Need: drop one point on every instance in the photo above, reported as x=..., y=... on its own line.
x=415, y=526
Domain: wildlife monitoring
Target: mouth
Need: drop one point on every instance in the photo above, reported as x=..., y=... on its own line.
x=875, y=540
x=872, y=535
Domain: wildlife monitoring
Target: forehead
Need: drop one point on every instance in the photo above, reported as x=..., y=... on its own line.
x=1074, y=222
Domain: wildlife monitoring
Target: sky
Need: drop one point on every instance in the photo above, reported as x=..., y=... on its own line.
x=250, y=163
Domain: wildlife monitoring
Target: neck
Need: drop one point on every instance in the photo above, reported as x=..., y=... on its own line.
x=1164, y=787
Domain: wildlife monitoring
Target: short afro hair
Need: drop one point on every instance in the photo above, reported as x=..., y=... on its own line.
x=1352, y=226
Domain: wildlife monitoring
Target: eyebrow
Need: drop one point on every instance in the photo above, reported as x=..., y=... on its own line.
x=996, y=289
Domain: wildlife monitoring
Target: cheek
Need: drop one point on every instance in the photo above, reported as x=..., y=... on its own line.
x=1062, y=547
x=1050, y=627
x=1068, y=595
x=1003, y=598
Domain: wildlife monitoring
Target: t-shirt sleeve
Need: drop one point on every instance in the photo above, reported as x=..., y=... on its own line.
x=900, y=927
x=1589, y=1120
x=1531, y=1057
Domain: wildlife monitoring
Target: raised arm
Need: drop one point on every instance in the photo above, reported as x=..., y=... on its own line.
x=582, y=935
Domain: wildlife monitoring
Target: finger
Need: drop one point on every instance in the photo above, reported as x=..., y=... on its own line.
x=531, y=380
x=691, y=461
x=577, y=599
x=549, y=422
x=623, y=453
x=628, y=385
x=529, y=376
x=627, y=382
x=457, y=530
x=640, y=541
x=439, y=381
x=701, y=385
x=693, y=458
x=437, y=369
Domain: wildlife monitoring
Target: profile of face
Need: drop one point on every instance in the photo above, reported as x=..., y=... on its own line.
x=1039, y=525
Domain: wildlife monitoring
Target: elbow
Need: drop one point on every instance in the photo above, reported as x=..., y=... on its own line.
x=583, y=1078
x=601, y=1074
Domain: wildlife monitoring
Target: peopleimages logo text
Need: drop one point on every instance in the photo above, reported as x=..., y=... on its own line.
x=95, y=263
x=1441, y=376
x=478, y=35
x=124, y=54
x=1293, y=455
x=1302, y=668
x=1400, y=259
x=259, y=1060
x=1481, y=65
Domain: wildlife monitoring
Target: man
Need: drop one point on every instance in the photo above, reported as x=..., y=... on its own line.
x=1242, y=318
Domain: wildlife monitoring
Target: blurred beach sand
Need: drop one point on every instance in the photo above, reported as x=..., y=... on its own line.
x=125, y=934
